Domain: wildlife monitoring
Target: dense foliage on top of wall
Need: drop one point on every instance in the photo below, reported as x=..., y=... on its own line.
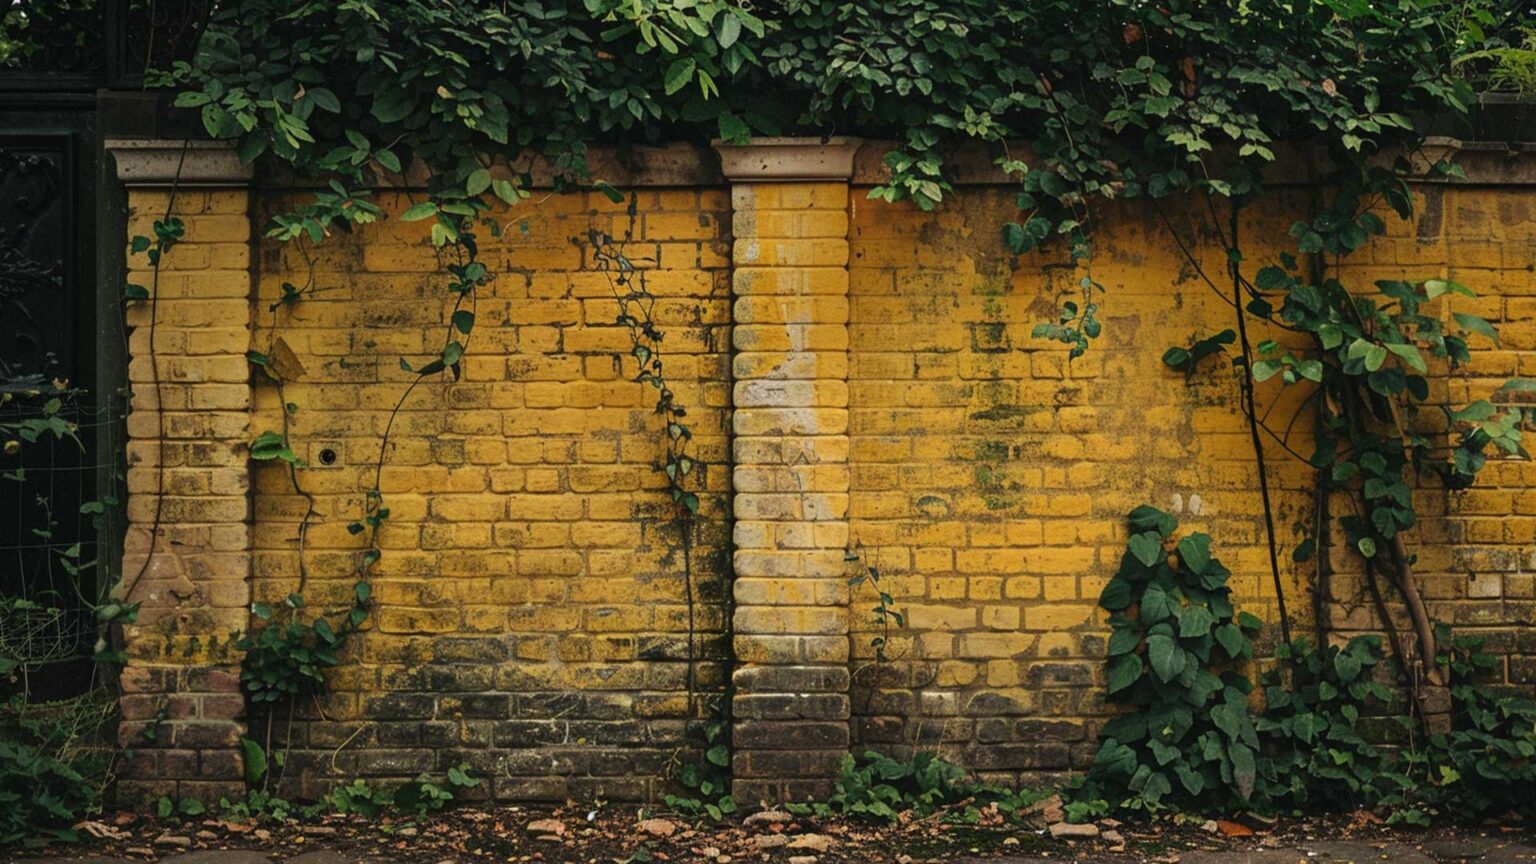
x=1116, y=98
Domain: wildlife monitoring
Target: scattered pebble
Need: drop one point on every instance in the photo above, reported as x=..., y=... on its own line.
x=813, y=842
x=767, y=817
x=542, y=828
x=1074, y=831
x=770, y=841
x=657, y=827
x=319, y=831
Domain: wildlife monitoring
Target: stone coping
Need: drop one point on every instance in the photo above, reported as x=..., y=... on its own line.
x=167, y=162
x=860, y=162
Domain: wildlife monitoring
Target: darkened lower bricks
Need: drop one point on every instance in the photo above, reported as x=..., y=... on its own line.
x=183, y=725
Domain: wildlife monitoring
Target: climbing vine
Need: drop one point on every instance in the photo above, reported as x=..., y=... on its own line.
x=708, y=779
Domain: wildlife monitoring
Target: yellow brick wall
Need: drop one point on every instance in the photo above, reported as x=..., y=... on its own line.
x=530, y=602
x=991, y=474
x=880, y=391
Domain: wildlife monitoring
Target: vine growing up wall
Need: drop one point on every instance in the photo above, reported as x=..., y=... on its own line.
x=707, y=779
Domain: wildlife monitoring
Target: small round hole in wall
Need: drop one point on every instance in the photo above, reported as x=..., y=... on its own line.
x=327, y=456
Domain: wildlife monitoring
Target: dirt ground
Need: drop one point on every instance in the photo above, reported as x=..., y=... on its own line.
x=628, y=836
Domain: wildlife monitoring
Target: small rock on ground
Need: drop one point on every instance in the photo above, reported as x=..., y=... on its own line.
x=657, y=827
x=813, y=842
x=547, y=826
x=1073, y=831
x=767, y=817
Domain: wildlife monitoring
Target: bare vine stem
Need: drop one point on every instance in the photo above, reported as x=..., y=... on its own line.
x=636, y=313
x=1233, y=265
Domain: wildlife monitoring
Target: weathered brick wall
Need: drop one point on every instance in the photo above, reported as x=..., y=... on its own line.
x=859, y=375
x=531, y=616
x=991, y=474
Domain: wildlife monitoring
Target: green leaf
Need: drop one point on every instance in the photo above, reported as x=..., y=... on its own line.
x=1374, y=357
x=464, y=321
x=1435, y=287
x=1117, y=595
x=1244, y=768
x=1146, y=517
x=1192, y=782
x=255, y=761
x=1409, y=354
x=1123, y=640
x=1155, y=604
x=393, y=104
x=727, y=28
x=1124, y=671
x=609, y=191
x=324, y=99
x=732, y=128
x=1347, y=666
x=1166, y=657
x=388, y=161
x=1156, y=786
x=678, y=75
x=1195, y=621
x=1146, y=547
x=1195, y=552
x=1231, y=639
x=419, y=211
x=478, y=181
x=1475, y=324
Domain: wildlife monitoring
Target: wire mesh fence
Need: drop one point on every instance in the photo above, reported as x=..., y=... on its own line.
x=60, y=469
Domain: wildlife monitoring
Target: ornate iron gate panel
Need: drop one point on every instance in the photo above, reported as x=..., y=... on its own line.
x=39, y=262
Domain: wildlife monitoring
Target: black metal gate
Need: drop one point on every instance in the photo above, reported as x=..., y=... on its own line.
x=62, y=389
